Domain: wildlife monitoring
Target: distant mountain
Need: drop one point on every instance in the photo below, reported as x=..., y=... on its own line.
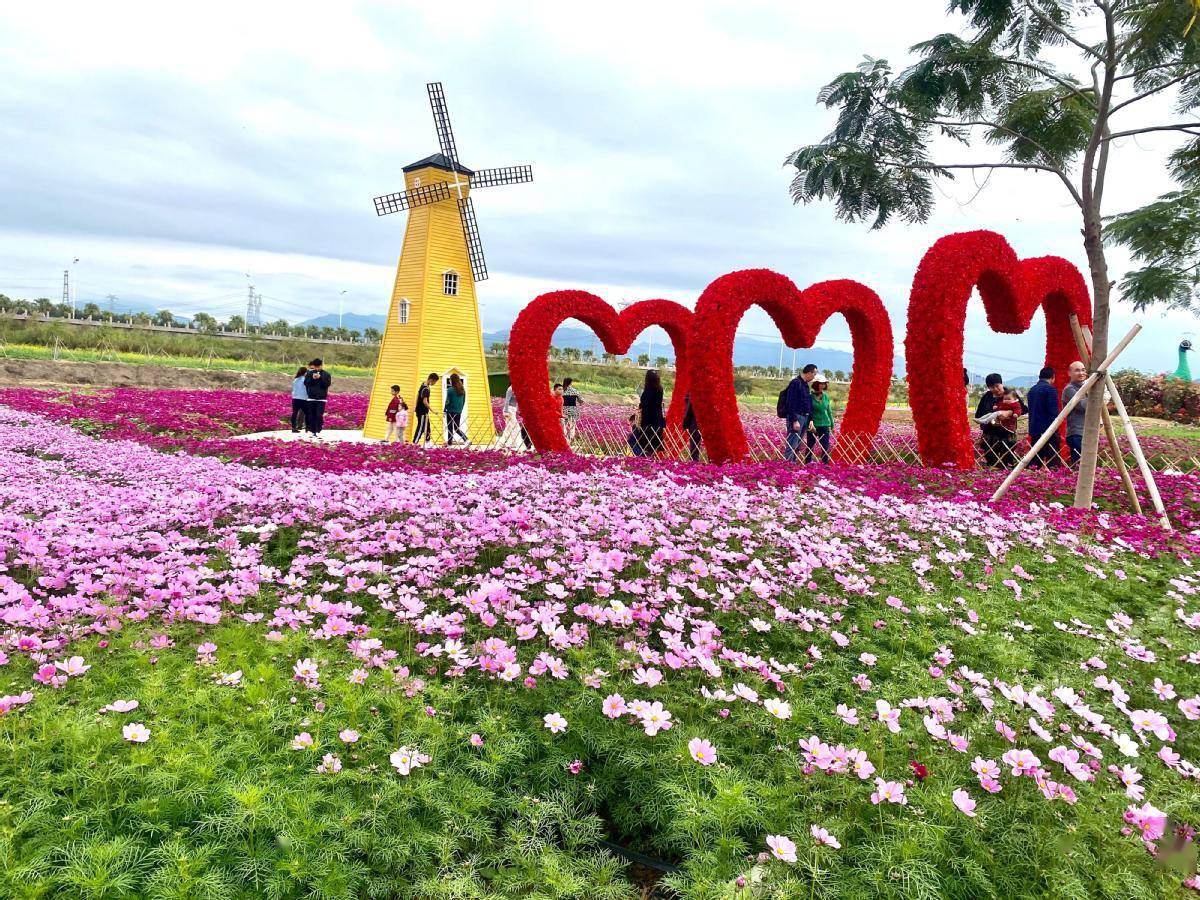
x=352, y=321
x=747, y=351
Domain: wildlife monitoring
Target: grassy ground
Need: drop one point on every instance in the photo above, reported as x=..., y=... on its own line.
x=30, y=351
x=216, y=805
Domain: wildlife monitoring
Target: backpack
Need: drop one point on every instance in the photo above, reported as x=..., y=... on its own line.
x=781, y=409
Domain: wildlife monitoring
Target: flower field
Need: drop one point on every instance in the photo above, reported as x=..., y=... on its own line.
x=252, y=669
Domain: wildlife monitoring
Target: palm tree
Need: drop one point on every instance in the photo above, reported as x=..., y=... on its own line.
x=164, y=317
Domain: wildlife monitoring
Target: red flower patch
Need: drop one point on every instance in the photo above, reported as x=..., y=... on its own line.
x=529, y=347
x=1012, y=290
x=799, y=316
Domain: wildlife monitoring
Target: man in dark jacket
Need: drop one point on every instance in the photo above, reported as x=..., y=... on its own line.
x=421, y=433
x=996, y=441
x=798, y=406
x=1043, y=410
x=316, y=385
x=692, y=427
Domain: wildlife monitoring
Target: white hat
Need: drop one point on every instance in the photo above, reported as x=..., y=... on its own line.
x=821, y=377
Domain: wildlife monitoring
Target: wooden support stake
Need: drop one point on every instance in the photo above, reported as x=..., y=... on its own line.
x=1147, y=473
x=1062, y=416
x=1083, y=341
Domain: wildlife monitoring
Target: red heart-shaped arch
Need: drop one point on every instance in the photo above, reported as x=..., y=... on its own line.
x=1012, y=289
x=799, y=316
x=529, y=347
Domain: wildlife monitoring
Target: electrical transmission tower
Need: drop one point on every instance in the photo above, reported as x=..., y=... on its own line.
x=253, y=308
x=67, y=291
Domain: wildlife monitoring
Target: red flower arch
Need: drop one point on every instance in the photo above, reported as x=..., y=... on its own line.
x=799, y=316
x=529, y=346
x=1012, y=290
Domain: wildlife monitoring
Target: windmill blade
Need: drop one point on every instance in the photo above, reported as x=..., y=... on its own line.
x=441, y=120
x=430, y=193
x=466, y=210
x=502, y=175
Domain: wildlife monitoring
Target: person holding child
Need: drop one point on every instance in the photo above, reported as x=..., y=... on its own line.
x=997, y=415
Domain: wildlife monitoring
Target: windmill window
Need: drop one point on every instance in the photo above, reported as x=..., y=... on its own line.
x=404, y=307
x=450, y=284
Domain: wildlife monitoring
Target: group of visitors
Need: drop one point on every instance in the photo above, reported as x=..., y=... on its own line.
x=455, y=402
x=804, y=404
x=1001, y=408
x=310, y=392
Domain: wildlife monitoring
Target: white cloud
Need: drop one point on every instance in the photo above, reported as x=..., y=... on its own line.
x=174, y=148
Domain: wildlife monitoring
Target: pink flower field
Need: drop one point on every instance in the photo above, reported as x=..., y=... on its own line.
x=246, y=668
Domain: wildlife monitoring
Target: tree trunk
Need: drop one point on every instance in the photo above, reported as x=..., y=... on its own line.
x=1101, y=290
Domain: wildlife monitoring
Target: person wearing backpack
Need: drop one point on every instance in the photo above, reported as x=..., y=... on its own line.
x=795, y=405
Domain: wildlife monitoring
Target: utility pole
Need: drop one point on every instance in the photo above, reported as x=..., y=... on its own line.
x=342, y=302
x=67, y=291
x=112, y=299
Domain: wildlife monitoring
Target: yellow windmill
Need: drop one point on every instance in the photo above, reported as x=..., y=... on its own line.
x=433, y=320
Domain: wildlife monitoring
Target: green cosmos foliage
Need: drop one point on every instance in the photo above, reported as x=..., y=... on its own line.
x=217, y=805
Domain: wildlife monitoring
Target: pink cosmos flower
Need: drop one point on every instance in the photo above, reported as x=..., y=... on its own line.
x=136, y=733
x=778, y=708
x=822, y=836
x=120, y=706
x=781, y=847
x=1023, y=762
x=556, y=723
x=405, y=760
x=888, y=715
x=72, y=667
x=1149, y=820
x=614, y=706
x=963, y=801
x=476, y=740
x=349, y=736
x=889, y=792
x=647, y=677
x=702, y=751
x=575, y=767
x=1190, y=708
x=656, y=719
x=329, y=764
x=1152, y=721
x=302, y=741
x=847, y=714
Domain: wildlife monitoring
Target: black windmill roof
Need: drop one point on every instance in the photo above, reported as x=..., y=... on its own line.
x=438, y=161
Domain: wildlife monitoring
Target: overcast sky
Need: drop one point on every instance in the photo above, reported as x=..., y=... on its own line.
x=174, y=149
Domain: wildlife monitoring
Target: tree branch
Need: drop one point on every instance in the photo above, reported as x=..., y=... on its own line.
x=1062, y=32
x=1186, y=127
x=1152, y=91
x=1146, y=71
x=1047, y=73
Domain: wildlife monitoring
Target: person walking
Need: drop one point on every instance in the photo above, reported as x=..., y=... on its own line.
x=692, y=427
x=571, y=403
x=822, y=420
x=316, y=385
x=421, y=433
x=299, y=400
x=395, y=427
x=1077, y=372
x=648, y=420
x=1043, y=410
x=797, y=410
x=456, y=400
x=514, y=435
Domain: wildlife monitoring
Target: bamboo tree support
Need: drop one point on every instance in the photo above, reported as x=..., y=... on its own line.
x=1083, y=341
x=1095, y=376
x=1147, y=472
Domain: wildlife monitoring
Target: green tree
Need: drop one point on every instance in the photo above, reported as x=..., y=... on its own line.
x=206, y=323
x=1056, y=86
x=372, y=336
x=164, y=317
x=660, y=362
x=236, y=323
x=498, y=348
x=643, y=359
